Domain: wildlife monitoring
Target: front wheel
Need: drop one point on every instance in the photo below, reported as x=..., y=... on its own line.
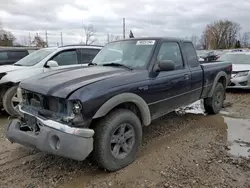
x=11, y=101
x=117, y=139
x=214, y=104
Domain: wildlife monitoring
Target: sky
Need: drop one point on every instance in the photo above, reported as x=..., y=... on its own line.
x=170, y=18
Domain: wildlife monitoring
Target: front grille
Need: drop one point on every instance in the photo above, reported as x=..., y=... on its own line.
x=33, y=99
x=39, y=101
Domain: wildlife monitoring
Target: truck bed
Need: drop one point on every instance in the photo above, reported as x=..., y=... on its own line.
x=211, y=70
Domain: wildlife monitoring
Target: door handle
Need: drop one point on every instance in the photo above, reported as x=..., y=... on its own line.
x=186, y=76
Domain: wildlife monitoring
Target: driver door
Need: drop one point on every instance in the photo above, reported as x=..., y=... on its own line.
x=169, y=88
x=65, y=59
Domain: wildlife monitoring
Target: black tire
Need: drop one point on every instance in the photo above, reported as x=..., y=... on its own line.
x=106, y=129
x=214, y=104
x=8, y=105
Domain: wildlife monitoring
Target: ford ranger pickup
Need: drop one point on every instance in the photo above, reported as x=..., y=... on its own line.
x=101, y=110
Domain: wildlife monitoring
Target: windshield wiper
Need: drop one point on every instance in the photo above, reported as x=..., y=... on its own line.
x=17, y=64
x=92, y=64
x=118, y=65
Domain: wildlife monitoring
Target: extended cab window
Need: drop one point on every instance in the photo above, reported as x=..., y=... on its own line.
x=68, y=57
x=87, y=55
x=171, y=51
x=192, y=57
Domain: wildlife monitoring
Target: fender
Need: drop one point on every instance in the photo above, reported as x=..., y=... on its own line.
x=122, y=98
x=218, y=76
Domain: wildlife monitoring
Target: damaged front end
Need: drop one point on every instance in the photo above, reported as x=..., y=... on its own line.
x=53, y=108
x=50, y=125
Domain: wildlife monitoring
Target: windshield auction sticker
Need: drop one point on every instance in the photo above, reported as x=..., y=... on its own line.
x=145, y=42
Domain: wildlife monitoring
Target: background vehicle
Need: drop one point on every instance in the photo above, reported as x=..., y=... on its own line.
x=102, y=109
x=241, y=69
x=209, y=56
x=40, y=61
x=9, y=56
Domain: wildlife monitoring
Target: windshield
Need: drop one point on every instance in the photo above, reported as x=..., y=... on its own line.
x=133, y=53
x=236, y=58
x=35, y=57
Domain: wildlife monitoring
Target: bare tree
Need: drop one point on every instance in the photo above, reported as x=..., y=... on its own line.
x=245, y=39
x=204, y=40
x=39, y=42
x=89, y=34
x=111, y=37
x=221, y=34
x=6, y=38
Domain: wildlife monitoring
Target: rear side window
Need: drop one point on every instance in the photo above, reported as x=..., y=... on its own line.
x=171, y=51
x=87, y=55
x=3, y=56
x=192, y=57
x=17, y=54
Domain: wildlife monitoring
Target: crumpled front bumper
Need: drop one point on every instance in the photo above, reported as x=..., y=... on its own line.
x=54, y=138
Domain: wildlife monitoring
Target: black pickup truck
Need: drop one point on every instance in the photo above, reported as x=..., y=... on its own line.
x=101, y=109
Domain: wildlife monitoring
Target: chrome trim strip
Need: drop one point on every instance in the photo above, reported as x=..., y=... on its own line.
x=82, y=132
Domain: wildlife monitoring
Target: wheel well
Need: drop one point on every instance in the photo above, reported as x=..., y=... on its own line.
x=129, y=101
x=223, y=80
x=130, y=106
x=126, y=105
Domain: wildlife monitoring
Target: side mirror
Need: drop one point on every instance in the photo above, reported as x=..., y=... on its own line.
x=51, y=63
x=165, y=65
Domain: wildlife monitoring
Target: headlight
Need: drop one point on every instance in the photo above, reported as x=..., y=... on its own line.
x=240, y=74
x=77, y=107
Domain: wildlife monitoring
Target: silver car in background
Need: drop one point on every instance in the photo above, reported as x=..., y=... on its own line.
x=241, y=69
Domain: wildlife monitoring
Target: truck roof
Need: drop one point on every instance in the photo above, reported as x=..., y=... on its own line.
x=156, y=38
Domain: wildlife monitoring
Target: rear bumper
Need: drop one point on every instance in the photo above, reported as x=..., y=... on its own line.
x=53, y=140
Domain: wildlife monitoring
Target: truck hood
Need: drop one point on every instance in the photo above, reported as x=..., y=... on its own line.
x=10, y=68
x=241, y=67
x=61, y=83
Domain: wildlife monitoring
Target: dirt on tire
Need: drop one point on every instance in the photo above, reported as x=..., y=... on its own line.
x=177, y=151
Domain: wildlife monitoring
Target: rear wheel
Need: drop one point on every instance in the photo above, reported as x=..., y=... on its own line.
x=117, y=139
x=214, y=104
x=11, y=101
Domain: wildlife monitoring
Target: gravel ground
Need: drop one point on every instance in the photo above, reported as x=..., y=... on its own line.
x=178, y=151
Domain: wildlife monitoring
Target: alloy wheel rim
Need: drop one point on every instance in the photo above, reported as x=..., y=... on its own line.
x=15, y=101
x=122, y=141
